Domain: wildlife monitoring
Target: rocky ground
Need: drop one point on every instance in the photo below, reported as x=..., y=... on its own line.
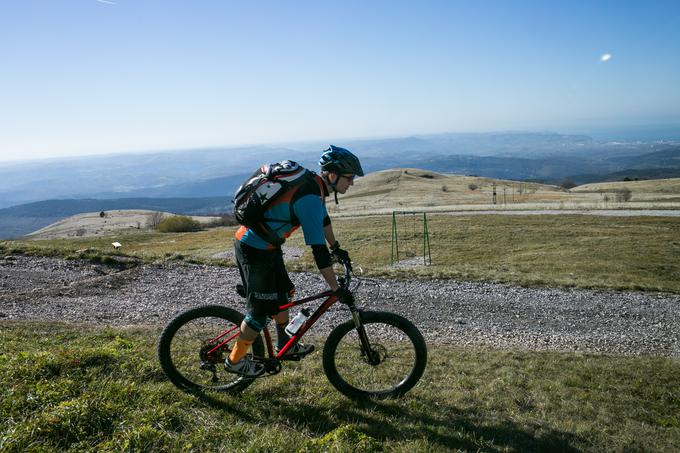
x=480, y=314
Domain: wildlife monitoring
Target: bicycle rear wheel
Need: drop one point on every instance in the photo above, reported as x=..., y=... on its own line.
x=393, y=366
x=186, y=349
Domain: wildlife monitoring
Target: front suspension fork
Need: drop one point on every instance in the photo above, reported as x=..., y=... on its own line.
x=366, y=348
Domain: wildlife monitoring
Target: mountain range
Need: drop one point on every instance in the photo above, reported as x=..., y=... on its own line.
x=208, y=177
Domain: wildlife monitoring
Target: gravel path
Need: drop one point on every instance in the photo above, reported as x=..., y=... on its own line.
x=480, y=314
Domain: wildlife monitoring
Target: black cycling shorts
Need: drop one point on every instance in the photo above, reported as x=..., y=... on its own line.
x=264, y=278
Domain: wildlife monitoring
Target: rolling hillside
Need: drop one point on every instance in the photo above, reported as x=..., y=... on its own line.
x=23, y=219
x=651, y=190
x=410, y=188
x=105, y=223
x=415, y=189
x=381, y=192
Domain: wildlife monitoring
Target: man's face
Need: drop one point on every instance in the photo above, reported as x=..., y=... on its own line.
x=343, y=182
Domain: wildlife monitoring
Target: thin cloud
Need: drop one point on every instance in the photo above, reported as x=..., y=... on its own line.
x=606, y=57
x=107, y=2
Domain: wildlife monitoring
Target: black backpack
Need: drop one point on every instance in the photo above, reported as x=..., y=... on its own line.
x=256, y=194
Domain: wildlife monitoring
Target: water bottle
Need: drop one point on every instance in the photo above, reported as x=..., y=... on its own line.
x=297, y=321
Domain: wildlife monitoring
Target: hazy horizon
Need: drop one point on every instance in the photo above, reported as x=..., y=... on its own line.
x=641, y=134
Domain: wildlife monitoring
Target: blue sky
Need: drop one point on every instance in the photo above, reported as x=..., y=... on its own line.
x=96, y=76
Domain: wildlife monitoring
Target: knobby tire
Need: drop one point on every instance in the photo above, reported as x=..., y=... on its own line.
x=180, y=344
x=396, y=341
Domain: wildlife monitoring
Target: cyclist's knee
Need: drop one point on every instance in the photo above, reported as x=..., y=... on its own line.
x=281, y=317
x=257, y=322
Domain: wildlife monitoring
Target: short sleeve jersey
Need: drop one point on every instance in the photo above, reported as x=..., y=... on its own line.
x=302, y=206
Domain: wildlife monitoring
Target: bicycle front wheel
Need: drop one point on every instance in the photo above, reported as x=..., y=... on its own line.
x=393, y=365
x=194, y=345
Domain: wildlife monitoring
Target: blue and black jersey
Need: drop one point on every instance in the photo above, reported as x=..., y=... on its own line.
x=303, y=205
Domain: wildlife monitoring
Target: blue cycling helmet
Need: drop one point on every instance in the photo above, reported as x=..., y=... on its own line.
x=341, y=161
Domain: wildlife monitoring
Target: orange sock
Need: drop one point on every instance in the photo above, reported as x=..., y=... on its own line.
x=240, y=349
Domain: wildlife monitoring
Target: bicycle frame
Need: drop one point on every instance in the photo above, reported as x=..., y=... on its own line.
x=331, y=299
x=309, y=322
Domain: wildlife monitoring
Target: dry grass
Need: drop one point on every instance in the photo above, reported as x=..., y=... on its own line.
x=412, y=189
x=640, y=253
x=660, y=186
x=406, y=188
x=112, y=222
x=564, y=250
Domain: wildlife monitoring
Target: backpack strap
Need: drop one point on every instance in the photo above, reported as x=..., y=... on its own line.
x=293, y=182
x=268, y=234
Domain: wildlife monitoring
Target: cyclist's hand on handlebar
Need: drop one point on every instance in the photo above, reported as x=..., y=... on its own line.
x=344, y=295
x=341, y=255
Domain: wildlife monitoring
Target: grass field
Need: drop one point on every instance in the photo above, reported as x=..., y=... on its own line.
x=79, y=388
x=639, y=253
x=75, y=388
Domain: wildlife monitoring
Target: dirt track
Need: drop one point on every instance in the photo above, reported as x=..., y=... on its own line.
x=481, y=314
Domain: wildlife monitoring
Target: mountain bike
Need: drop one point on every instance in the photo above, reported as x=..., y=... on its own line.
x=375, y=354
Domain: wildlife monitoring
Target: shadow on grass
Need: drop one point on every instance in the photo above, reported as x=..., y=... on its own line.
x=231, y=403
x=390, y=421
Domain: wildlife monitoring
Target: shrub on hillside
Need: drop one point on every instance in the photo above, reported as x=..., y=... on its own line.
x=623, y=195
x=568, y=184
x=178, y=224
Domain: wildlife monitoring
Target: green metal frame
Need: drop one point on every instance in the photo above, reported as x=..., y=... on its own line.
x=427, y=255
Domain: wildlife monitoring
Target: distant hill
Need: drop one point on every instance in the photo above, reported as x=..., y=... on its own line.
x=418, y=189
x=663, y=186
x=215, y=187
x=656, y=165
x=23, y=219
x=667, y=158
x=627, y=175
x=112, y=222
x=131, y=175
x=207, y=178
x=547, y=156
x=515, y=168
x=405, y=189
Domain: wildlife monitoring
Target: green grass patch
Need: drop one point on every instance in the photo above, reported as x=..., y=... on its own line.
x=75, y=388
x=625, y=253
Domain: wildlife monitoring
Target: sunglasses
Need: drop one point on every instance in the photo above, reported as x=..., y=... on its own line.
x=348, y=177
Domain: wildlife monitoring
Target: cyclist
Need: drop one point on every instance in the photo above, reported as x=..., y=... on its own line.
x=263, y=273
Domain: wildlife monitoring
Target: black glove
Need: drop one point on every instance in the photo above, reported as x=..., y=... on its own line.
x=344, y=295
x=341, y=255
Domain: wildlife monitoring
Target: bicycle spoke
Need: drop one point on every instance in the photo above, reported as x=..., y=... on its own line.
x=194, y=346
x=391, y=351
x=186, y=350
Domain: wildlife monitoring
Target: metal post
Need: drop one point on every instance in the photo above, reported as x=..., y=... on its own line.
x=395, y=239
x=426, y=240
